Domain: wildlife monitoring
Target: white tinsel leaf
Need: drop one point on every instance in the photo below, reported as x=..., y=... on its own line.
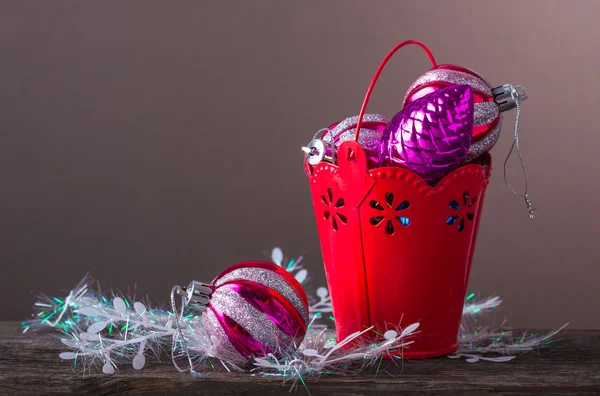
x=409, y=329
x=119, y=305
x=390, y=334
x=97, y=327
x=139, y=361
x=88, y=336
x=89, y=311
x=322, y=292
x=310, y=352
x=501, y=358
x=277, y=256
x=70, y=342
x=68, y=355
x=473, y=359
x=108, y=368
x=301, y=275
x=139, y=308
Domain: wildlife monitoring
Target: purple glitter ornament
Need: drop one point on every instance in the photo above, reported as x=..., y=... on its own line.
x=430, y=136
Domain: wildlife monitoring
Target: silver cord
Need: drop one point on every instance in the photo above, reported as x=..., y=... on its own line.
x=321, y=133
x=178, y=335
x=515, y=144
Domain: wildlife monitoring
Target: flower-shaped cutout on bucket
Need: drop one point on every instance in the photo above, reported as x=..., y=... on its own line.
x=332, y=212
x=466, y=211
x=389, y=211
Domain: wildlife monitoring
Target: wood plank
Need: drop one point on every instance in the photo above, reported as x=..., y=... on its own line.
x=29, y=364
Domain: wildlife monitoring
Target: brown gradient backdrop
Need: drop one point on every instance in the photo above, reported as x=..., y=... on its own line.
x=156, y=142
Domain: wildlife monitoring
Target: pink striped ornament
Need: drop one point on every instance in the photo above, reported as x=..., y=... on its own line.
x=256, y=308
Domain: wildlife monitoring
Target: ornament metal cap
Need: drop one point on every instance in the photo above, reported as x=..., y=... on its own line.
x=196, y=293
x=317, y=151
x=506, y=96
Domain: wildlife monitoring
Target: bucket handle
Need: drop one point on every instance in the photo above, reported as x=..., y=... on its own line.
x=378, y=72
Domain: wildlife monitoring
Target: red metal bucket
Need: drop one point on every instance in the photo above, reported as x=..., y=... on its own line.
x=397, y=250
x=393, y=250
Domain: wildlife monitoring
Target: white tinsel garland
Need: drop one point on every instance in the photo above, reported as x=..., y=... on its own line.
x=110, y=331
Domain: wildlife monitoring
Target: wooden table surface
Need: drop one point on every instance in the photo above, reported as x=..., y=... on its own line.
x=29, y=365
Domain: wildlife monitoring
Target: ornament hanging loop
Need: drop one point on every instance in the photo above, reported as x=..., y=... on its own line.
x=195, y=293
x=507, y=97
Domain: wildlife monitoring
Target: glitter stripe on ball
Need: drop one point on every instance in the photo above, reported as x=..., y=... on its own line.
x=448, y=76
x=225, y=349
x=239, y=337
x=272, y=304
x=485, y=144
x=368, y=138
x=271, y=268
x=268, y=278
x=352, y=121
x=485, y=113
x=248, y=319
x=473, y=72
